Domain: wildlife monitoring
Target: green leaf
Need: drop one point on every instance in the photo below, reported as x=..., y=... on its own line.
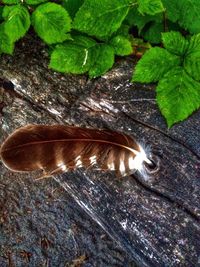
x=123, y=30
x=104, y=60
x=175, y=43
x=186, y=12
x=51, y=22
x=150, y=7
x=154, y=64
x=35, y=2
x=173, y=10
x=101, y=18
x=178, y=95
x=194, y=43
x=72, y=6
x=11, y=2
x=6, y=45
x=121, y=45
x=134, y=18
x=190, y=15
x=192, y=59
x=152, y=33
x=74, y=56
x=84, y=41
x=17, y=21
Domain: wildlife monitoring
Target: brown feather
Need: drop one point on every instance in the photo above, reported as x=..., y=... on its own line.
x=57, y=149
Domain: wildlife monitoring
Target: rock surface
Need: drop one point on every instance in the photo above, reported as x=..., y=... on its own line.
x=153, y=217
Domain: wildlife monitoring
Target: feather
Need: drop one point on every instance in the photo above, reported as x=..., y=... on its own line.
x=58, y=149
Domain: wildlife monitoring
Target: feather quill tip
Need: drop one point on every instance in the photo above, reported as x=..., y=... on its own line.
x=137, y=162
x=143, y=163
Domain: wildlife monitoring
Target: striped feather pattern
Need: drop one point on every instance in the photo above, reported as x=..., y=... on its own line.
x=58, y=149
